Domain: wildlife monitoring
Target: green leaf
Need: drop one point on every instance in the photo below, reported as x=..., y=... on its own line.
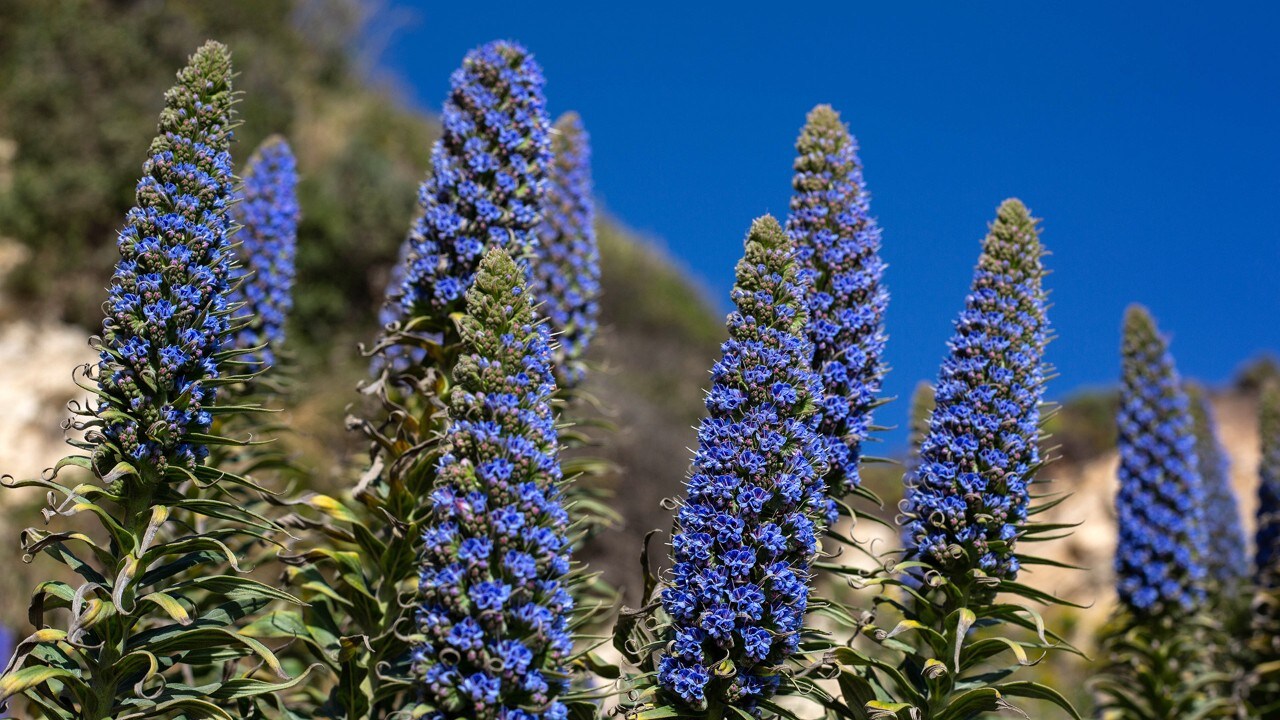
x=935, y=639
x=249, y=687
x=1026, y=688
x=987, y=648
x=852, y=658
x=279, y=624
x=200, y=638
x=881, y=709
x=857, y=693
x=18, y=682
x=331, y=507
x=658, y=713
x=190, y=708
x=600, y=667
x=964, y=620
x=172, y=607
x=970, y=704
x=239, y=588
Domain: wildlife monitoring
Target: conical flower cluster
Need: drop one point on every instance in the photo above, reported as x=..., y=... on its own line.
x=267, y=212
x=494, y=603
x=1267, y=540
x=1221, y=512
x=967, y=496
x=566, y=271
x=1159, y=508
x=166, y=313
x=747, y=534
x=838, y=242
x=487, y=184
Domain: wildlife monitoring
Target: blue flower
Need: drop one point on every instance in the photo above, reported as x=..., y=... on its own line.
x=167, y=305
x=493, y=614
x=838, y=243
x=1267, y=560
x=744, y=539
x=966, y=494
x=1160, y=505
x=487, y=185
x=267, y=213
x=686, y=678
x=566, y=271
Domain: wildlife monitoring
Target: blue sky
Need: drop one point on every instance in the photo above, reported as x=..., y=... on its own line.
x=1146, y=135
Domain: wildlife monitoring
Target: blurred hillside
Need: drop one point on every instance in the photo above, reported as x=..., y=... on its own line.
x=81, y=84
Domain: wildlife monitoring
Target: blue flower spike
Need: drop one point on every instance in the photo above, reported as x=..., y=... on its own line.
x=1159, y=564
x=1221, y=511
x=566, y=270
x=486, y=189
x=167, y=312
x=1267, y=538
x=746, y=535
x=267, y=212
x=493, y=619
x=838, y=244
x=968, y=493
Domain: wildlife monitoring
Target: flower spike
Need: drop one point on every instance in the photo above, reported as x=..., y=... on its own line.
x=746, y=536
x=1267, y=539
x=268, y=215
x=1159, y=508
x=156, y=624
x=838, y=242
x=967, y=497
x=1224, y=531
x=494, y=598
x=486, y=188
x=566, y=271
x=167, y=306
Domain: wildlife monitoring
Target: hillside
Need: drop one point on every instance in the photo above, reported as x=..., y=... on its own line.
x=80, y=85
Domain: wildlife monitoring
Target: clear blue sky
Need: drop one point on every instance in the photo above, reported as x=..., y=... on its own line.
x=1147, y=135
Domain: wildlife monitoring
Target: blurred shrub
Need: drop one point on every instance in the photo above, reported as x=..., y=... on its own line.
x=1256, y=373
x=81, y=82
x=1085, y=425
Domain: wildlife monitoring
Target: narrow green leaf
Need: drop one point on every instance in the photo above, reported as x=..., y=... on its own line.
x=171, y=607
x=970, y=704
x=1026, y=688
x=857, y=693
x=964, y=621
x=22, y=680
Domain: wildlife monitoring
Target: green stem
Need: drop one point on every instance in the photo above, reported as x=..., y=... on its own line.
x=115, y=636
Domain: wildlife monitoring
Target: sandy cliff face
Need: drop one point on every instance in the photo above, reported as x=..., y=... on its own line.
x=37, y=358
x=1092, y=484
